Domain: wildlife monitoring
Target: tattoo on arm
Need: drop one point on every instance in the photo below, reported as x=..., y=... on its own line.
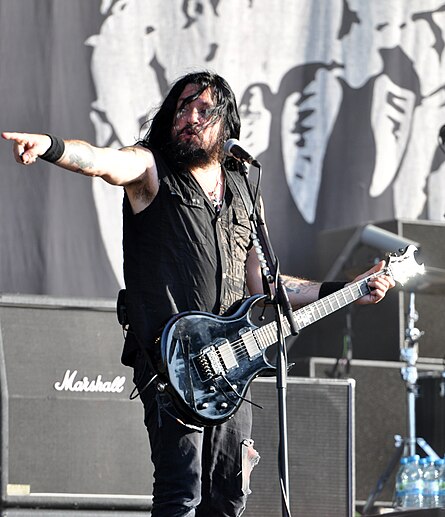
x=298, y=285
x=292, y=286
x=81, y=158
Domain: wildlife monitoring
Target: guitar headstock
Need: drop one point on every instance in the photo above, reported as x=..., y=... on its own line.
x=403, y=267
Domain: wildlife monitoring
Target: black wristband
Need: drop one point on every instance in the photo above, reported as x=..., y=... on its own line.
x=55, y=150
x=328, y=288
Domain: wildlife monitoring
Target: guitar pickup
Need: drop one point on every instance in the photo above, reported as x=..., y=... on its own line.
x=227, y=354
x=215, y=360
x=250, y=343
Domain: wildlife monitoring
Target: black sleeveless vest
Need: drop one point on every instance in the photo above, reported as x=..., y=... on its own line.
x=180, y=254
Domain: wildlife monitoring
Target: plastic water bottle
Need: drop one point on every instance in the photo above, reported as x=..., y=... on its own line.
x=423, y=463
x=430, y=483
x=413, y=484
x=441, y=466
x=399, y=489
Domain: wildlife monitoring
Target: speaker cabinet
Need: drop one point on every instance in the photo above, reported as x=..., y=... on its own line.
x=380, y=414
x=70, y=435
x=39, y=512
x=320, y=415
x=378, y=331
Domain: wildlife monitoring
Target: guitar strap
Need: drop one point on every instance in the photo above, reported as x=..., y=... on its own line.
x=123, y=320
x=247, y=202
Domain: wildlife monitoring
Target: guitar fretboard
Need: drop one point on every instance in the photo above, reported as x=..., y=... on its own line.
x=267, y=335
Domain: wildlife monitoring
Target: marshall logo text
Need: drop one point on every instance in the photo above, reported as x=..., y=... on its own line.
x=69, y=383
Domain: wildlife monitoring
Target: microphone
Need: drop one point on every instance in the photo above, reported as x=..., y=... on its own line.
x=233, y=148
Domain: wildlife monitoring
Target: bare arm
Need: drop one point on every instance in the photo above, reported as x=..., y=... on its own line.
x=301, y=291
x=131, y=167
x=115, y=166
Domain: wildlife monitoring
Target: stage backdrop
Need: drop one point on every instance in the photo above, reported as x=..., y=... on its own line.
x=341, y=101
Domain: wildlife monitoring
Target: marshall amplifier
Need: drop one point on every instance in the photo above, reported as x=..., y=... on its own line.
x=70, y=436
x=43, y=512
x=320, y=418
x=381, y=412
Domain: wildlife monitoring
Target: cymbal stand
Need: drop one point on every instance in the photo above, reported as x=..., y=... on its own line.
x=409, y=354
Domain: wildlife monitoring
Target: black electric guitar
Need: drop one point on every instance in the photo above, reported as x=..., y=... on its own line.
x=209, y=361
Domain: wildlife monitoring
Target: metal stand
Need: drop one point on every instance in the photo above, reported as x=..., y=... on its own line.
x=409, y=354
x=271, y=276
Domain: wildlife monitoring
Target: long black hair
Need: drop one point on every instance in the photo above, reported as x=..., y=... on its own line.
x=159, y=135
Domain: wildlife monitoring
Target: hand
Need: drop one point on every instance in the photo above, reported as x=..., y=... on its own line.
x=28, y=147
x=379, y=285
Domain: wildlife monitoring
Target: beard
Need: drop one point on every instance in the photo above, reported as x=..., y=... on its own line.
x=195, y=152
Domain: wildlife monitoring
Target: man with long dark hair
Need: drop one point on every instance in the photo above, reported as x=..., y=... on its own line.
x=187, y=246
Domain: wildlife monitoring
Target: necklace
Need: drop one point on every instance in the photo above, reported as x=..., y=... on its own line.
x=215, y=194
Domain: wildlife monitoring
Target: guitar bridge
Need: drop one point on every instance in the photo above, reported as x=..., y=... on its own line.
x=208, y=364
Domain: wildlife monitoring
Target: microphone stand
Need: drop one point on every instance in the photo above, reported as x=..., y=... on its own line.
x=270, y=271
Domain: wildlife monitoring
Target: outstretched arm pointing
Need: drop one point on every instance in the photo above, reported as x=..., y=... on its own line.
x=115, y=166
x=132, y=167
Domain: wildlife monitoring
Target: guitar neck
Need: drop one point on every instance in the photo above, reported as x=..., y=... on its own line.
x=267, y=334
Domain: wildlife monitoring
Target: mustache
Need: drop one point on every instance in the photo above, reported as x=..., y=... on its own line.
x=190, y=130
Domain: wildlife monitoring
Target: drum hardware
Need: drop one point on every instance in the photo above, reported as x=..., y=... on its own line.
x=409, y=353
x=431, y=282
x=406, y=446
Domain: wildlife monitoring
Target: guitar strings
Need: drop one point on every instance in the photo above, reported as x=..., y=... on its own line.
x=239, y=347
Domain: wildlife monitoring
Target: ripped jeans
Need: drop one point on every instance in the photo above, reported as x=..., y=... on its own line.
x=198, y=473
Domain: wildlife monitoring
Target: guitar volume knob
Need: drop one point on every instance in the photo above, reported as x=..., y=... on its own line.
x=161, y=386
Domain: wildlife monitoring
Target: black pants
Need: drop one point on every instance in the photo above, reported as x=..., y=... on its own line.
x=197, y=473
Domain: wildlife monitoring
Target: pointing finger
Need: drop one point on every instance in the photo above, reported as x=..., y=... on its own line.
x=7, y=135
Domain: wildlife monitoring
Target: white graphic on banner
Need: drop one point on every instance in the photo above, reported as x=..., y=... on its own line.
x=330, y=81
